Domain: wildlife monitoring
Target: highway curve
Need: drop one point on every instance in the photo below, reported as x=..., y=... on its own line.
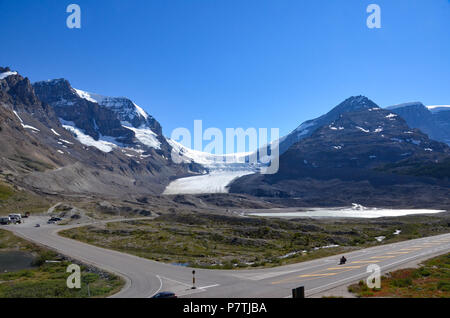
x=144, y=277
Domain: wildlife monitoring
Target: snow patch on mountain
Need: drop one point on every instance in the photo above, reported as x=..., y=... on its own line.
x=121, y=105
x=141, y=111
x=86, y=95
x=6, y=74
x=362, y=129
x=102, y=144
x=335, y=128
x=23, y=125
x=146, y=136
x=66, y=142
x=379, y=129
x=438, y=108
x=391, y=116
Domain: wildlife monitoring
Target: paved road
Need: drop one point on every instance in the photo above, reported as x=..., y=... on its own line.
x=144, y=277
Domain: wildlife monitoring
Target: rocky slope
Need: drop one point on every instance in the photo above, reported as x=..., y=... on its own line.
x=54, y=141
x=347, y=160
x=307, y=128
x=433, y=120
x=112, y=120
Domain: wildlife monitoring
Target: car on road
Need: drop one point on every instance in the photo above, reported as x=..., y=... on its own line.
x=15, y=218
x=54, y=220
x=37, y=225
x=165, y=295
x=5, y=220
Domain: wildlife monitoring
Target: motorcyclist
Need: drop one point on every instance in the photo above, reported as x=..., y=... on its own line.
x=343, y=260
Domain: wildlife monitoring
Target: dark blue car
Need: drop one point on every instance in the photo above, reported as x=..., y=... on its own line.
x=165, y=295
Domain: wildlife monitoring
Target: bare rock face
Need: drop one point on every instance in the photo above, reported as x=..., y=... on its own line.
x=363, y=153
x=18, y=92
x=434, y=122
x=53, y=141
x=115, y=119
x=364, y=138
x=92, y=118
x=307, y=128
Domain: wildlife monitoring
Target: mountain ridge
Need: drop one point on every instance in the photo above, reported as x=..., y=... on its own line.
x=432, y=120
x=41, y=154
x=109, y=145
x=347, y=160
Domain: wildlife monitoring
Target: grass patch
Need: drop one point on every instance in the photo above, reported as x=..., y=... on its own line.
x=227, y=242
x=49, y=279
x=20, y=201
x=5, y=192
x=431, y=280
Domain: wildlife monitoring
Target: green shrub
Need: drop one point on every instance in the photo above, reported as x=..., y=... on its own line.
x=401, y=282
x=5, y=192
x=443, y=285
x=423, y=272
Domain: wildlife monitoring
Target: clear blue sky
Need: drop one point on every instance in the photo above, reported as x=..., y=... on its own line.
x=235, y=63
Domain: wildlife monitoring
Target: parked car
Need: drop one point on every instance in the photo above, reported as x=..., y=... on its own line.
x=15, y=218
x=37, y=225
x=53, y=220
x=165, y=295
x=5, y=220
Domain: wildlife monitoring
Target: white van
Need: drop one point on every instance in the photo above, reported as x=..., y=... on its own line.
x=15, y=218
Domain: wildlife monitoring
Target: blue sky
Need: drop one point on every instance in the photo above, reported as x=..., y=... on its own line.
x=235, y=63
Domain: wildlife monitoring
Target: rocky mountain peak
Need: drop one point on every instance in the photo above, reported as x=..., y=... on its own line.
x=363, y=139
x=56, y=92
x=130, y=114
x=17, y=91
x=111, y=121
x=355, y=103
x=351, y=104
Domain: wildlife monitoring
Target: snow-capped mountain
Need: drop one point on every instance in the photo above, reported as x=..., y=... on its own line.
x=358, y=150
x=129, y=114
x=310, y=126
x=109, y=123
x=100, y=121
x=432, y=120
x=53, y=141
x=61, y=140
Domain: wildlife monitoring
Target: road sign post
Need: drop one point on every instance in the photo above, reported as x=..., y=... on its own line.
x=193, y=280
x=298, y=292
